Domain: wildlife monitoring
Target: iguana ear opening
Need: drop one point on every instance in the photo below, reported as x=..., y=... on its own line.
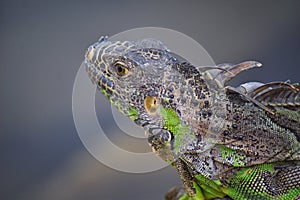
x=150, y=104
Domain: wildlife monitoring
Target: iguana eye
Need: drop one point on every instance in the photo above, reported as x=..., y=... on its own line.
x=121, y=68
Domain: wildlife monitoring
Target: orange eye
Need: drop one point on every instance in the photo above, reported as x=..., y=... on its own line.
x=121, y=68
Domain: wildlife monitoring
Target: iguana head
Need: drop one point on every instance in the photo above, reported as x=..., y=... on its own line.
x=157, y=89
x=128, y=72
x=139, y=79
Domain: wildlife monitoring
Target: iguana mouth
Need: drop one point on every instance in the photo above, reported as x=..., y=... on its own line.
x=99, y=77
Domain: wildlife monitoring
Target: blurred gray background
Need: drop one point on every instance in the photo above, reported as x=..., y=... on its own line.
x=41, y=48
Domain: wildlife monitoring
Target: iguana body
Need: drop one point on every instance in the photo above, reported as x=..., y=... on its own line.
x=231, y=143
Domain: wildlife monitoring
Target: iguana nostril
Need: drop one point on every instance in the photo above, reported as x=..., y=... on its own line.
x=89, y=53
x=86, y=52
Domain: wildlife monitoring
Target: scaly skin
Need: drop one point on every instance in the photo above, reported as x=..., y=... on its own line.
x=226, y=143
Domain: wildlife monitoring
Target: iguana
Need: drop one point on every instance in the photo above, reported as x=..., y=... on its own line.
x=225, y=142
